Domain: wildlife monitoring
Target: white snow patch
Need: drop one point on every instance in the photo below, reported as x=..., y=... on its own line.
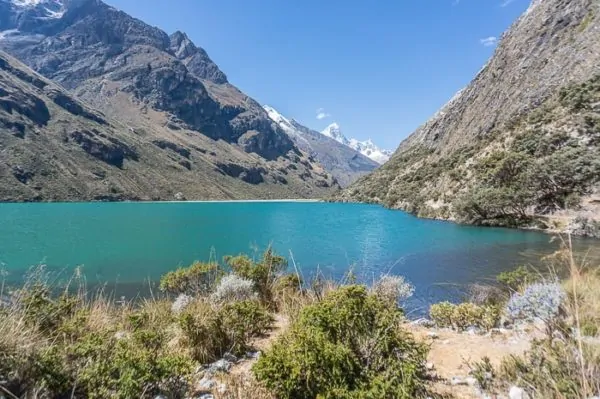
x=367, y=148
x=7, y=33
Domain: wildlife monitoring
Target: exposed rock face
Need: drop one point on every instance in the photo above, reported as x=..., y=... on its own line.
x=524, y=94
x=163, y=88
x=55, y=147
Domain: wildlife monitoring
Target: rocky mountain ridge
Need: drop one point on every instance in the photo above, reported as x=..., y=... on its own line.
x=518, y=145
x=164, y=86
x=367, y=147
x=166, y=91
x=343, y=162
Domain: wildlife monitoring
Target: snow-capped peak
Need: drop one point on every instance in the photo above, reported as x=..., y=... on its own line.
x=281, y=120
x=335, y=133
x=44, y=9
x=366, y=147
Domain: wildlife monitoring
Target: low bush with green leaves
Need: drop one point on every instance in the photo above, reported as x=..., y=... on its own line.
x=465, y=315
x=517, y=279
x=263, y=273
x=197, y=279
x=349, y=345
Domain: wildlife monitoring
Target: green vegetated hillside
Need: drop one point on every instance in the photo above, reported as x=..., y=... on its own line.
x=519, y=142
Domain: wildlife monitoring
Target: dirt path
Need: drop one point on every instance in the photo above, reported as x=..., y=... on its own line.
x=451, y=353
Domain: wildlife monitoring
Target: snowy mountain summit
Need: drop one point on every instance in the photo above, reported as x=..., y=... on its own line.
x=41, y=9
x=367, y=148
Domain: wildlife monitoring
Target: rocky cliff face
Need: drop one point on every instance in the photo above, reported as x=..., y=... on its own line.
x=468, y=151
x=343, y=162
x=160, y=84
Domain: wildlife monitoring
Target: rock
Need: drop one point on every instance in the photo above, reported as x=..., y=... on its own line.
x=179, y=196
x=432, y=335
x=220, y=365
x=206, y=396
x=517, y=393
x=206, y=383
x=230, y=357
x=253, y=355
x=422, y=322
x=429, y=366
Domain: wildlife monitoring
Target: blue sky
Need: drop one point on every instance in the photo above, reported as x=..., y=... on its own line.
x=379, y=68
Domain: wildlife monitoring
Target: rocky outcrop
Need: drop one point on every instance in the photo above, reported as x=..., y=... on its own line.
x=519, y=141
x=105, y=148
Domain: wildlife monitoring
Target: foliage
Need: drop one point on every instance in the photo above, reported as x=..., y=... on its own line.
x=233, y=288
x=197, y=279
x=210, y=331
x=262, y=273
x=241, y=321
x=483, y=371
x=539, y=301
x=442, y=314
x=464, y=315
x=349, y=345
x=180, y=303
x=393, y=289
x=553, y=368
x=517, y=279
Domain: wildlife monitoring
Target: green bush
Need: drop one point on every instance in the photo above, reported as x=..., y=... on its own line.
x=241, y=321
x=197, y=279
x=554, y=368
x=442, y=314
x=210, y=330
x=349, y=345
x=262, y=273
x=517, y=279
x=464, y=315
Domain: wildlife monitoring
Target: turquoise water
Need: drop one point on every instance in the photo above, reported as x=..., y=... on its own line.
x=125, y=245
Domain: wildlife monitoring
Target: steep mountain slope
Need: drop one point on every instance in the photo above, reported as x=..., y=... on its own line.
x=520, y=141
x=165, y=90
x=54, y=147
x=367, y=148
x=343, y=162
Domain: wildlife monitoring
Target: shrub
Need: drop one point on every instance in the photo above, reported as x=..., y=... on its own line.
x=442, y=314
x=234, y=288
x=197, y=279
x=464, y=315
x=393, y=289
x=288, y=282
x=203, y=335
x=539, y=301
x=210, y=331
x=517, y=279
x=555, y=369
x=262, y=273
x=180, y=303
x=241, y=321
x=350, y=344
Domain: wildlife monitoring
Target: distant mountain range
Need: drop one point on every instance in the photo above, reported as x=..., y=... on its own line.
x=345, y=163
x=367, y=148
x=126, y=111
